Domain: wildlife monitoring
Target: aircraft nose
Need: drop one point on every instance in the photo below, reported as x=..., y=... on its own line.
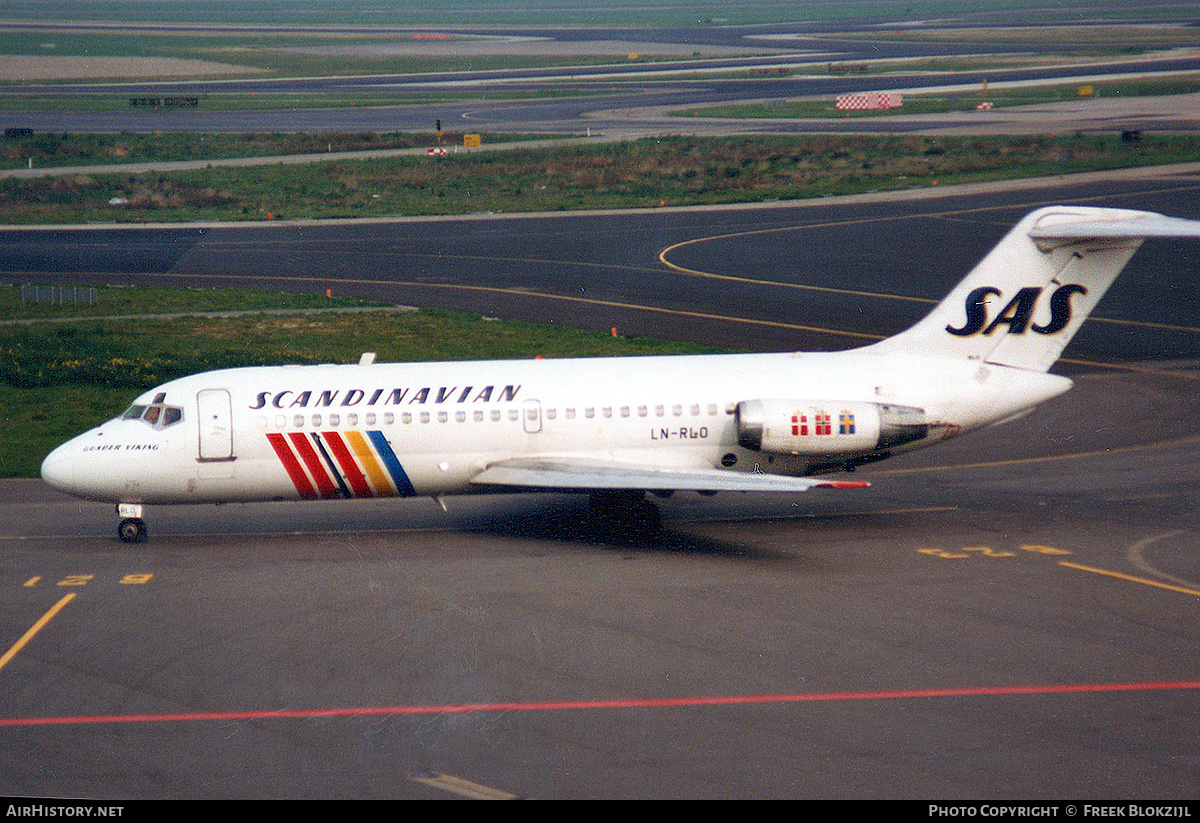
x=58, y=469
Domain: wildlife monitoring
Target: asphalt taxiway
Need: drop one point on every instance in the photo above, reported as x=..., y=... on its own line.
x=1012, y=615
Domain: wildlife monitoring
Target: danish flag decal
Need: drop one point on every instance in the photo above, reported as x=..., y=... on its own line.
x=329, y=465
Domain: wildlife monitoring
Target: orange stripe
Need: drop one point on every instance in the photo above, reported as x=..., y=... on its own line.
x=376, y=474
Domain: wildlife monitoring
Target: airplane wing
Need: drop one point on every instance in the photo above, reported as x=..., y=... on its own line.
x=561, y=474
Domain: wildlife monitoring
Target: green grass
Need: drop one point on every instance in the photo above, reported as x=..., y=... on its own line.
x=59, y=379
x=68, y=149
x=150, y=300
x=645, y=173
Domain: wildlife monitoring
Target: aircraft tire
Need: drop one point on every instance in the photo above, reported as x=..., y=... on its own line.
x=132, y=530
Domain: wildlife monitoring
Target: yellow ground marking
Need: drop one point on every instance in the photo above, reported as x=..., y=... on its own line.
x=589, y=301
x=662, y=258
x=34, y=629
x=462, y=788
x=1181, y=375
x=1131, y=578
x=1019, y=461
x=1134, y=555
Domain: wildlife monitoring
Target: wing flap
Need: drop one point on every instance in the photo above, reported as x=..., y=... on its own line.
x=586, y=475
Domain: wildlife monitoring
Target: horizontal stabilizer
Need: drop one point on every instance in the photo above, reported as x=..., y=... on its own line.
x=586, y=475
x=1133, y=224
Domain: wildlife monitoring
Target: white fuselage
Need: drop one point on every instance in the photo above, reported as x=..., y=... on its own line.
x=306, y=432
x=620, y=427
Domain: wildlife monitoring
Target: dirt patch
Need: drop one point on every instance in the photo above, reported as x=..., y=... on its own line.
x=35, y=67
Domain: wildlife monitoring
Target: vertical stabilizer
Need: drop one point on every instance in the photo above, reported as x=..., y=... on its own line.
x=1027, y=298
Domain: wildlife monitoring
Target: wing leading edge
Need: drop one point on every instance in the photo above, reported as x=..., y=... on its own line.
x=595, y=475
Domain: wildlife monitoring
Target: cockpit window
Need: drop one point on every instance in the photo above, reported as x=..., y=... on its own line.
x=158, y=414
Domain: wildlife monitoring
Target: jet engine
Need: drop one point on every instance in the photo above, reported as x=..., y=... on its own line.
x=826, y=427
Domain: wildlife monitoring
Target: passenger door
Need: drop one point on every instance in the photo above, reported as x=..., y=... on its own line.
x=215, y=413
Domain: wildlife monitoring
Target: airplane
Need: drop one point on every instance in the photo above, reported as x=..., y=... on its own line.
x=619, y=428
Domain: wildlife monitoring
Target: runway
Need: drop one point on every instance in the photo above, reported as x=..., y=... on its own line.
x=1010, y=616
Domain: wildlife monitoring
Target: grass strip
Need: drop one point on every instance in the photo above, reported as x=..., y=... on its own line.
x=651, y=172
x=48, y=150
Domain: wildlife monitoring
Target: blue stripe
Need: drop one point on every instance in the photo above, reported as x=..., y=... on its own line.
x=403, y=485
x=337, y=476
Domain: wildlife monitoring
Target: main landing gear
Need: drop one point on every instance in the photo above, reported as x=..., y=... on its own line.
x=625, y=515
x=132, y=528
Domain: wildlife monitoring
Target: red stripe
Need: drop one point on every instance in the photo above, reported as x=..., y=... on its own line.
x=315, y=467
x=292, y=466
x=354, y=476
x=618, y=703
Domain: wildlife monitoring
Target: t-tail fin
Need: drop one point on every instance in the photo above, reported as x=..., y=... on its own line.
x=1028, y=297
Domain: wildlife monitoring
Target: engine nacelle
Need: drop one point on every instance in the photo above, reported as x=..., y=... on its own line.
x=826, y=427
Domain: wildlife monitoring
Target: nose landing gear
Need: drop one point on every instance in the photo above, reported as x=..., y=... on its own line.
x=132, y=528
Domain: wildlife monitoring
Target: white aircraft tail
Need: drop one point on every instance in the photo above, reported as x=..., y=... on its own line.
x=1027, y=298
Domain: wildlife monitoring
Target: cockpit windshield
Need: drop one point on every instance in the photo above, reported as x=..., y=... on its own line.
x=158, y=414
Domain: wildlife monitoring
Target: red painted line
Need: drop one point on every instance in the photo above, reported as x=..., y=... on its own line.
x=354, y=475
x=633, y=703
x=292, y=466
x=315, y=467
